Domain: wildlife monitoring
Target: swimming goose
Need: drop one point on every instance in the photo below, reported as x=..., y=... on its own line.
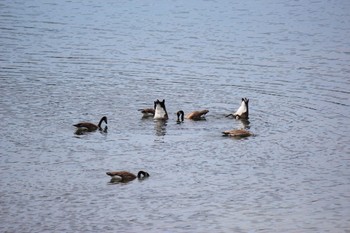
x=90, y=126
x=147, y=112
x=237, y=133
x=196, y=115
x=160, y=110
x=124, y=176
x=243, y=111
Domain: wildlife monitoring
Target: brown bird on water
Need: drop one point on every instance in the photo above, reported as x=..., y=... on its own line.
x=147, y=112
x=196, y=115
x=90, y=126
x=124, y=176
x=237, y=133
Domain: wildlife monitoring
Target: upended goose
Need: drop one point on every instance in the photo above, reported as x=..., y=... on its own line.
x=196, y=115
x=243, y=110
x=160, y=112
x=124, y=176
x=90, y=126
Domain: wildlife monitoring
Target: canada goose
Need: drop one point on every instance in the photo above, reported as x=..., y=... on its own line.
x=124, y=176
x=90, y=126
x=196, y=115
x=237, y=133
x=243, y=111
x=160, y=110
x=147, y=112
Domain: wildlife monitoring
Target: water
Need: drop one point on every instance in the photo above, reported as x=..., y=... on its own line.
x=66, y=62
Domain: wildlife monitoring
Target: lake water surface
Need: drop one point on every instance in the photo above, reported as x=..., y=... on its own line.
x=63, y=62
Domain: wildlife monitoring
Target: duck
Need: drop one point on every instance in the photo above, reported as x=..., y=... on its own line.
x=125, y=176
x=196, y=115
x=147, y=112
x=237, y=133
x=160, y=112
x=243, y=110
x=90, y=126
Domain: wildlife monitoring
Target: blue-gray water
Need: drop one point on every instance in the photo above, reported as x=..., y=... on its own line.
x=62, y=62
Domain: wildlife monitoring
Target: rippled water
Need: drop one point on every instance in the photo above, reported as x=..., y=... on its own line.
x=65, y=62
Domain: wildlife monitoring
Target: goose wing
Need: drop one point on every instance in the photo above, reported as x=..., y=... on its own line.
x=197, y=115
x=237, y=133
x=125, y=176
x=147, y=112
x=87, y=125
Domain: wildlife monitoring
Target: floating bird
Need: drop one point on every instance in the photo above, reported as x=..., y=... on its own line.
x=160, y=112
x=243, y=111
x=237, y=133
x=124, y=176
x=90, y=126
x=147, y=112
x=196, y=115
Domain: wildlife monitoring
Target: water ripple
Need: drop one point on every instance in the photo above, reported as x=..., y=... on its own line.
x=77, y=61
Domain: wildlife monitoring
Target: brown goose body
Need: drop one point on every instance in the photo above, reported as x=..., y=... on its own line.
x=237, y=133
x=90, y=126
x=125, y=176
x=147, y=112
x=196, y=115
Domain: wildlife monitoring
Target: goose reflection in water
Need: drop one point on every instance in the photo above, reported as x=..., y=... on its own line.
x=160, y=127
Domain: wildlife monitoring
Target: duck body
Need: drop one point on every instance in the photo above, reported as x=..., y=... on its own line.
x=160, y=112
x=196, y=115
x=243, y=110
x=237, y=133
x=90, y=126
x=125, y=176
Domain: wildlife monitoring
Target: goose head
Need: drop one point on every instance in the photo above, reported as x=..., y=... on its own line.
x=142, y=175
x=180, y=116
x=103, y=119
